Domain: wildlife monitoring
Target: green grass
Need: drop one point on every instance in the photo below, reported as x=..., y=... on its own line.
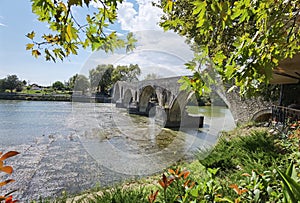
x=44, y=91
x=118, y=195
x=257, y=151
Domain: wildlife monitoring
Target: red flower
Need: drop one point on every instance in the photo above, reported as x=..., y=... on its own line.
x=9, y=199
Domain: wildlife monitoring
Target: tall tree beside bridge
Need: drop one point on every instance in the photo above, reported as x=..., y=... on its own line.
x=81, y=83
x=101, y=77
x=78, y=82
x=126, y=73
x=105, y=75
x=244, y=40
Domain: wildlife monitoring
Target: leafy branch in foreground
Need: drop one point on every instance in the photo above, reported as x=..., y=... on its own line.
x=242, y=40
x=67, y=33
x=7, y=169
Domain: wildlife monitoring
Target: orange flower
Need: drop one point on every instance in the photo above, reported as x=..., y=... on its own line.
x=165, y=182
x=6, y=169
x=152, y=197
x=188, y=185
x=237, y=189
x=176, y=173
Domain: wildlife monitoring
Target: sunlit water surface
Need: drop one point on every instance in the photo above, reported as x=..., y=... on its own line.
x=55, y=136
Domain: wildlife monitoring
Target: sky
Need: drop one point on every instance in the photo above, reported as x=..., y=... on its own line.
x=157, y=52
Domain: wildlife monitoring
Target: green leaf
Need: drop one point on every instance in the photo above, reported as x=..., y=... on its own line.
x=290, y=186
x=199, y=11
x=69, y=34
x=219, y=57
x=185, y=83
x=256, y=195
x=229, y=71
x=169, y=6
x=236, y=14
x=199, y=6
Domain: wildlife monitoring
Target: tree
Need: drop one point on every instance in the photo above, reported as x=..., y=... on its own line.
x=151, y=76
x=2, y=85
x=71, y=82
x=125, y=73
x=105, y=75
x=58, y=85
x=81, y=83
x=101, y=77
x=12, y=82
x=67, y=34
x=242, y=40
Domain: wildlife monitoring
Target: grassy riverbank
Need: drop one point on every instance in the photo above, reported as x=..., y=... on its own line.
x=35, y=96
x=245, y=166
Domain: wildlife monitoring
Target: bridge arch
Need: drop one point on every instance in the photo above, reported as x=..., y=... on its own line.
x=262, y=115
x=128, y=97
x=147, y=93
x=117, y=93
x=177, y=107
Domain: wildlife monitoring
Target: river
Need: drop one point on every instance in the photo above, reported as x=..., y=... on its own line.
x=72, y=147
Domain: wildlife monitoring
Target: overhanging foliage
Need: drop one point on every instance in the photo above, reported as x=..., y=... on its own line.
x=242, y=40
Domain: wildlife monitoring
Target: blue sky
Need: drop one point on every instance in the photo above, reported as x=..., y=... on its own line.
x=137, y=16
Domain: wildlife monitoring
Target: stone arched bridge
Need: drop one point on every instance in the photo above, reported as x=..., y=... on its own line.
x=160, y=97
x=163, y=98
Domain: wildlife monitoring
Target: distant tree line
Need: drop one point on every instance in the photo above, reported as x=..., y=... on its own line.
x=100, y=80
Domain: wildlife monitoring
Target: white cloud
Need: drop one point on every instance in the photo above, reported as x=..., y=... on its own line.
x=145, y=18
x=157, y=52
x=152, y=61
x=2, y=24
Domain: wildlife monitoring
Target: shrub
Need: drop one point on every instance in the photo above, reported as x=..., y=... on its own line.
x=257, y=151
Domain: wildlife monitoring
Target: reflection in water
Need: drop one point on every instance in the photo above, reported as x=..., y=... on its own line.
x=115, y=143
x=129, y=144
x=208, y=111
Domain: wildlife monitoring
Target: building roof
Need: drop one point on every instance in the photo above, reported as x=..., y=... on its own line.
x=288, y=71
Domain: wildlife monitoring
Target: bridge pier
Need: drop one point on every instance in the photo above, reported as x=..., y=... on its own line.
x=119, y=104
x=184, y=121
x=165, y=118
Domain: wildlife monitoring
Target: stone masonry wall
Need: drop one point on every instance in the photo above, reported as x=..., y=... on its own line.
x=244, y=109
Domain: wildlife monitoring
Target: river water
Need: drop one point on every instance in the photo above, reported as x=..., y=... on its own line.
x=72, y=147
